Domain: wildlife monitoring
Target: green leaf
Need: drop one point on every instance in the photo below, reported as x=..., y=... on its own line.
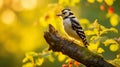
x=109, y=2
x=25, y=60
x=39, y=61
x=32, y=54
x=61, y=57
x=68, y=60
x=91, y=1
x=100, y=50
x=114, y=47
x=114, y=20
x=51, y=58
x=93, y=38
x=45, y=53
x=93, y=46
x=28, y=65
x=89, y=32
x=116, y=61
x=109, y=41
x=107, y=30
x=114, y=30
x=100, y=1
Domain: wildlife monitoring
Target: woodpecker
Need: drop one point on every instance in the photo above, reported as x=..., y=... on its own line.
x=72, y=27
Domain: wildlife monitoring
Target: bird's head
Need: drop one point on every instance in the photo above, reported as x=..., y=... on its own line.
x=65, y=13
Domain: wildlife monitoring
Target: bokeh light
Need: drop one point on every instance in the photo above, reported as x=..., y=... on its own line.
x=114, y=20
x=109, y=2
x=23, y=23
x=8, y=16
x=29, y=4
x=16, y=5
x=1, y=3
x=91, y=1
x=113, y=47
x=100, y=1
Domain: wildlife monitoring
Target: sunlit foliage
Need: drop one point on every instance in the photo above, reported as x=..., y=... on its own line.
x=23, y=22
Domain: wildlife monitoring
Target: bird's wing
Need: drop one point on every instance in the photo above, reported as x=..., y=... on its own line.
x=76, y=26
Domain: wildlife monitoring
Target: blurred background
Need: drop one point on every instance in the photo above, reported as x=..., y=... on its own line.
x=23, y=23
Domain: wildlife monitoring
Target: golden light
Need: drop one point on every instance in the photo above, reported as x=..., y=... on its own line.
x=91, y=1
x=114, y=47
x=29, y=4
x=16, y=5
x=11, y=46
x=8, y=16
x=100, y=1
x=114, y=20
x=28, y=39
x=61, y=57
x=109, y=2
x=1, y=3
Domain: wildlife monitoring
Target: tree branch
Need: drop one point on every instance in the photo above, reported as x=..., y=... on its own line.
x=73, y=50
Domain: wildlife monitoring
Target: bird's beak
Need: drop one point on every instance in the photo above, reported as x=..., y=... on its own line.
x=59, y=15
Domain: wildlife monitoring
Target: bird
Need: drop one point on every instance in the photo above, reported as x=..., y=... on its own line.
x=72, y=26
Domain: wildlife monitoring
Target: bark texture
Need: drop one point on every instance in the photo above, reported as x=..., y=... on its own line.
x=81, y=54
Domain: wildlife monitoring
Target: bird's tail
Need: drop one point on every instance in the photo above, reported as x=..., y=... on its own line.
x=86, y=43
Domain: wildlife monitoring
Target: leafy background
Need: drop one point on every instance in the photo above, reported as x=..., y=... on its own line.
x=23, y=22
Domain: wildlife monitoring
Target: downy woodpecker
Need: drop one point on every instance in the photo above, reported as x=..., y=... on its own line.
x=72, y=27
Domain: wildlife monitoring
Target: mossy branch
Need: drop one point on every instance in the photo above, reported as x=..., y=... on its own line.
x=81, y=54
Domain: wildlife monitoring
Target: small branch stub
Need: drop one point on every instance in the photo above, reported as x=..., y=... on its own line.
x=81, y=54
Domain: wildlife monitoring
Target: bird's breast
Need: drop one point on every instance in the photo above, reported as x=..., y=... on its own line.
x=68, y=29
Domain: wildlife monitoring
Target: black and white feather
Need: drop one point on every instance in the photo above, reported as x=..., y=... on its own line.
x=72, y=26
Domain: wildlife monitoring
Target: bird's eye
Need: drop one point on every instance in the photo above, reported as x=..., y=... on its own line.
x=64, y=12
